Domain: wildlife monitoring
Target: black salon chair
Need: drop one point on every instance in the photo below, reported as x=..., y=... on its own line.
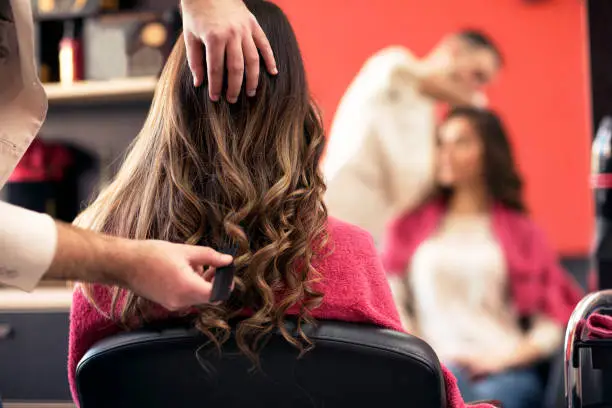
x=588, y=362
x=553, y=372
x=352, y=366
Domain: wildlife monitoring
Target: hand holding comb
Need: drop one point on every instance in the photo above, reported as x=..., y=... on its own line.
x=224, y=277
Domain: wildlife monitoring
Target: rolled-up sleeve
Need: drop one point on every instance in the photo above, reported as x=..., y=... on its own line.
x=28, y=241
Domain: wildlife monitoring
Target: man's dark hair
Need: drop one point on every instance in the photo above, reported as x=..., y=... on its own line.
x=477, y=38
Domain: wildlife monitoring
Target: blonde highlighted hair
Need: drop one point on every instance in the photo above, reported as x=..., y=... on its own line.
x=210, y=173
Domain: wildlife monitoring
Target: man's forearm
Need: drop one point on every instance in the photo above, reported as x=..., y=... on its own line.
x=86, y=256
x=435, y=86
x=33, y=246
x=443, y=89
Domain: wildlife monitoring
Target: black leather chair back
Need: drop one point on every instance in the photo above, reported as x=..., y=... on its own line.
x=351, y=366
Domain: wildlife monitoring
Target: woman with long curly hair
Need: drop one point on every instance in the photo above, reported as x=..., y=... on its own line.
x=472, y=274
x=245, y=175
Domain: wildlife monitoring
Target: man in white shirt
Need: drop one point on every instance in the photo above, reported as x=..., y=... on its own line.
x=33, y=245
x=380, y=157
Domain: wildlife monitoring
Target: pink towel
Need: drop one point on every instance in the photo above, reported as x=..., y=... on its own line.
x=538, y=284
x=599, y=326
x=354, y=284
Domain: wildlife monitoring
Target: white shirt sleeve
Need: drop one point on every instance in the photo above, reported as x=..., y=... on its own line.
x=28, y=241
x=379, y=160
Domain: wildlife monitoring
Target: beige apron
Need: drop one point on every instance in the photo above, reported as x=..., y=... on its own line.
x=23, y=102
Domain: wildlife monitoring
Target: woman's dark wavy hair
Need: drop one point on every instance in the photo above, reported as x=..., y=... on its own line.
x=503, y=180
x=203, y=172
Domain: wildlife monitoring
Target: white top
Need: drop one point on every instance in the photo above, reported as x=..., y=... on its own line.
x=460, y=296
x=28, y=240
x=379, y=160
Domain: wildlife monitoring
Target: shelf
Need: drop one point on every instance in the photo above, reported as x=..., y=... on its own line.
x=41, y=300
x=125, y=89
x=77, y=11
x=59, y=16
x=39, y=405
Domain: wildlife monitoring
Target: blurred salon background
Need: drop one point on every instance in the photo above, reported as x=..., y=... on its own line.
x=543, y=91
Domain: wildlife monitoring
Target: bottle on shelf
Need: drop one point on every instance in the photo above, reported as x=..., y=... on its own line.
x=70, y=55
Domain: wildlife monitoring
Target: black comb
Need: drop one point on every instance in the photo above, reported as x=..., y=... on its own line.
x=224, y=276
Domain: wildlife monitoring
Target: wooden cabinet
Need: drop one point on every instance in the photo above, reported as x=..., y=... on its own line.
x=34, y=348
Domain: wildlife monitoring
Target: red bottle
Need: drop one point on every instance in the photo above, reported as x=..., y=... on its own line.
x=70, y=55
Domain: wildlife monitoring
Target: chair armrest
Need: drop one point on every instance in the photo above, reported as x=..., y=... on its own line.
x=574, y=334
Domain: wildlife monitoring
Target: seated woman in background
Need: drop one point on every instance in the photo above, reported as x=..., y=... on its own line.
x=210, y=173
x=469, y=265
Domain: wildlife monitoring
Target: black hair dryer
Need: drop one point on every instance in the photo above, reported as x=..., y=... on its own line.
x=601, y=182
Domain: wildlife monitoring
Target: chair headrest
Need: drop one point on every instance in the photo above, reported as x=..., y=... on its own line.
x=351, y=365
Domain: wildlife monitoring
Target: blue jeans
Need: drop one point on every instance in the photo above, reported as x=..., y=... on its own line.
x=515, y=388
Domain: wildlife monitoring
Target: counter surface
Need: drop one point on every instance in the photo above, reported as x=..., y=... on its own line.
x=49, y=299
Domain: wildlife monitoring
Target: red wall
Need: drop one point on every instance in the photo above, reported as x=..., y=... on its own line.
x=542, y=92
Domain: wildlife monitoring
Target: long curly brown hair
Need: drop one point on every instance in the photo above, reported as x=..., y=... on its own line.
x=502, y=177
x=209, y=173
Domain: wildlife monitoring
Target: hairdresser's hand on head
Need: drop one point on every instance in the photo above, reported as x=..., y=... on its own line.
x=231, y=36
